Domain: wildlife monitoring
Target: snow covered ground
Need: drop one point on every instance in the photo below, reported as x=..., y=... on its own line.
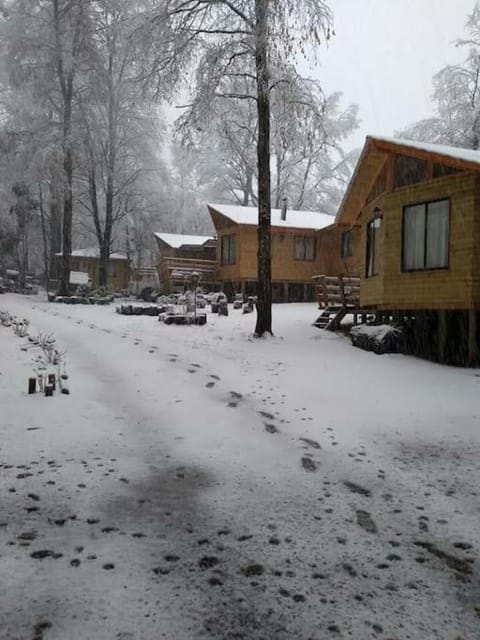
x=197, y=483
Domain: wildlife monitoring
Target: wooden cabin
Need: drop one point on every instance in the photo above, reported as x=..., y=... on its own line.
x=417, y=207
x=297, y=250
x=180, y=255
x=87, y=261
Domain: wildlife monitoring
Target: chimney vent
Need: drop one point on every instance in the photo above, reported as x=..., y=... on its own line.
x=283, y=212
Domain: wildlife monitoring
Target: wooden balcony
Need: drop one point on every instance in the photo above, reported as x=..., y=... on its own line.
x=338, y=291
x=175, y=272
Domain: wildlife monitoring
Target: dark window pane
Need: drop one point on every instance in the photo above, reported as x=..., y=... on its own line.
x=441, y=170
x=408, y=171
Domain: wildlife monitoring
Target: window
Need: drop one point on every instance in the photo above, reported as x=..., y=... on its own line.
x=111, y=270
x=426, y=236
x=228, y=250
x=373, y=253
x=442, y=170
x=304, y=248
x=347, y=244
x=408, y=171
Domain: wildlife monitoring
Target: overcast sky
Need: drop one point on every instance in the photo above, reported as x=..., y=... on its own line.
x=384, y=55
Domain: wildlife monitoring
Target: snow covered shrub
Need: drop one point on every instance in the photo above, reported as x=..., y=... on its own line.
x=5, y=319
x=381, y=338
x=20, y=327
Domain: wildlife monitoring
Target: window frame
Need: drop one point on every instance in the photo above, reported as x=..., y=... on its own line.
x=425, y=204
x=229, y=257
x=376, y=219
x=305, y=240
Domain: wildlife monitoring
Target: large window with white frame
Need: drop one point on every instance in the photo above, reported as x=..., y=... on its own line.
x=426, y=231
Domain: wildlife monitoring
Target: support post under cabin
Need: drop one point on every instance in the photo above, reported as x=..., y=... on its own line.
x=442, y=335
x=472, y=337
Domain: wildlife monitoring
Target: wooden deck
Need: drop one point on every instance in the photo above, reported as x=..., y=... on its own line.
x=176, y=272
x=337, y=297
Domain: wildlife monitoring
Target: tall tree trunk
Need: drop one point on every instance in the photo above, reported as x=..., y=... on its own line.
x=248, y=187
x=66, y=77
x=278, y=189
x=21, y=257
x=44, y=236
x=264, y=292
x=67, y=206
x=111, y=161
x=55, y=230
x=299, y=203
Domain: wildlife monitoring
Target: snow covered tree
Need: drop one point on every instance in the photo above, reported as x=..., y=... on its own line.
x=117, y=123
x=45, y=45
x=457, y=97
x=309, y=166
x=239, y=39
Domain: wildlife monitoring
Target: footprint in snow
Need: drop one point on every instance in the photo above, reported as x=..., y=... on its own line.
x=265, y=414
x=356, y=488
x=365, y=520
x=311, y=443
x=234, y=399
x=308, y=464
x=270, y=428
x=210, y=385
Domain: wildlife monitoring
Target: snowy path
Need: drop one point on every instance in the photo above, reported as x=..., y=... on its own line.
x=199, y=484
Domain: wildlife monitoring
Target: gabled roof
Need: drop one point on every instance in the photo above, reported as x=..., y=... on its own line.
x=373, y=155
x=177, y=240
x=468, y=156
x=94, y=252
x=294, y=219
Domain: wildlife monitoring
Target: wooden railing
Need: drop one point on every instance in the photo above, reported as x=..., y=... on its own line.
x=337, y=291
x=173, y=268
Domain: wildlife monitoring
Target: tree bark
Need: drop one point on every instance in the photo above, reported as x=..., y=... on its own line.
x=55, y=230
x=264, y=291
x=111, y=162
x=67, y=210
x=44, y=236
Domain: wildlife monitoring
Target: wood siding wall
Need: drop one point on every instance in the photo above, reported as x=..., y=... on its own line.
x=91, y=266
x=451, y=288
x=329, y=252
x=284, y=266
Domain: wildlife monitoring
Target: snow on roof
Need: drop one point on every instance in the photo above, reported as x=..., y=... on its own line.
x=177, y=240
x=457, y=153
x=295, y=219
x=94, y=252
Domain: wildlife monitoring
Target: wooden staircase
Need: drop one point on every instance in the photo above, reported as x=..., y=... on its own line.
x=330, y=318
x=337, y=296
